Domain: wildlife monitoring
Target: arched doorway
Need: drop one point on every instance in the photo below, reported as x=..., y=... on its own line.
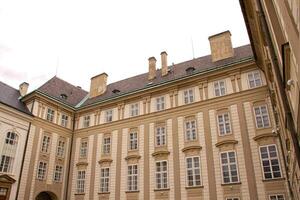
x=46, y=196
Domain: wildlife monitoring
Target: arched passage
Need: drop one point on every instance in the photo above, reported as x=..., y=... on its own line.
x=46, y=196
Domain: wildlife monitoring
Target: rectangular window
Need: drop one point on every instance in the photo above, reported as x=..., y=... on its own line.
x=58, y=173
x=261, y=116
x=193, y=171
x=106, y=145
x=80, y=182
x=190, y=130
x=229, y=167
x=276, y=197
x=104, y=180
x=108, y=116
x=270, y=162
x=60, y=148
x=6, y=163
x=220, y=88
x=64, y=120
x=160, y=136
x=160, y=103
x=161, y=174
x=224, y=124
x=133, y=141
x=134, y=109
x=254, y=79
x=45, y=144
x=132, y=181
x=188, y=96
x=41, y=173
x=83, y=149
x=86, y=121
x=50, y=115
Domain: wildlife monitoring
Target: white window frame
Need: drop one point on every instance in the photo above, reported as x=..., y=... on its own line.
x=219, y=89
x=45, y=144
x=104, y=179
x=64, y=120
x=50, y=115
x=133, y=140
x=106, y=146
x=253, y=80
x=8, y=153
x=193, y=171
x=42, y=170
x=269, y=160
x=190, y=130
x=58, y=172
x=132, y=177
x=60, y=151
x=80, y=182
x=276, y=197
x=260, y=115
x=229, y=164
x=188, y=96
x=83, y=148
x=224, y=125
x=134, y=109
x=6, y=163
x=160, y=103
x=160, y=136
x=109, y=115
x=161, y=176
x=86, y=121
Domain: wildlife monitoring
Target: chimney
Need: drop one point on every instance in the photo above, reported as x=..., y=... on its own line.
x=23, y=87
x=220, y=46
x=152, y=68
x=164, y=63
x=98, y=85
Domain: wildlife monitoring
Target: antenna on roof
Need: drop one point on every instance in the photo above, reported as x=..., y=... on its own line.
x=193, y=47
x=57, y=65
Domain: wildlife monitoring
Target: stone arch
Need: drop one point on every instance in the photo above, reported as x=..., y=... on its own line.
x=46, y=195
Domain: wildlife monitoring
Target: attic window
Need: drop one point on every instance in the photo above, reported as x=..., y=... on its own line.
x=63, y=96
x=116, y=91
x=190, y=70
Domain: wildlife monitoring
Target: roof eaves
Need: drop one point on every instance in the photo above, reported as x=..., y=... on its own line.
x=54, y=99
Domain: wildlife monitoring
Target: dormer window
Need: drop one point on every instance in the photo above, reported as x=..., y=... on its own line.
x=63, y=96
x=116, y=91
x=190, y=70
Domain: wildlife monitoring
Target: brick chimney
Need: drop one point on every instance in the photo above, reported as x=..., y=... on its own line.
x=152, y=68
x=221, y=46
x=23, y=87
x=98, y=85
x=164, y=63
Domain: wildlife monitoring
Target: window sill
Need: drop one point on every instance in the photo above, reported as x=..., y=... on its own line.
x=194, y=187
x=228, y=184
x=273, y=179
x=161, y=190
x=136, y=191
x=103, y=193
x=78, y=194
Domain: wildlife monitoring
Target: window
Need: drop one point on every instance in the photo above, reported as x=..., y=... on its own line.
x=219, y=88
x=58, y=173
x=106, y=145
x=83, y=149
x=229, y=167
x=80, y=182
x=276, y=197
x=232, y=198
x=160, y=103
x=254, y=79
x=64, y=120
x=188, y=96
x=41, y=170
x=3, y=191
x=224, y=124
x=45, y=144
x=108, y=116
x=261, y=116
x=160, y=136
x=190, y=130
x=8, y=152
x=270, y=162
x=133, y=141
x=50, y=115
x=104, y=180
x=86, y=121
x=132, y=181
x=161, y=175
x=134, y=109
x=193, y=171
x=60, y=148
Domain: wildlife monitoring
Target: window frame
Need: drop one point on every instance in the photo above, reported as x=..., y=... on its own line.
x=50, y=116
x=187, y=139
x=83, y=151
x=188, y=96
x=134, y=109
x=261, y=116
x=193, y=171
x=106, y=147
x=224, y=123
x=219, y=88
x=42, y=176
x=160, y=103
x=59, y=173
x=133, y=141
x=276, y=196
x=254, y=80
x=228, y=165
x=161, y=172
x=64, y=120
x=109, y=115
x=46, y=144
x=86, y=121
x=60, y=150
x=162, y=137
x=80, y=181
x=105, y=185
x=270, y=163
x=131, y=177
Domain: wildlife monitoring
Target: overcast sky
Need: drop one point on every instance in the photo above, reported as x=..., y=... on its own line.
x=80, y=39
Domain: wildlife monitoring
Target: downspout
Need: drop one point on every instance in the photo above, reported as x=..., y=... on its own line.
x=24, y=153
x=70, y=155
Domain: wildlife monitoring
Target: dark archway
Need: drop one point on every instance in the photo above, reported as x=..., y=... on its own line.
x=46, y=196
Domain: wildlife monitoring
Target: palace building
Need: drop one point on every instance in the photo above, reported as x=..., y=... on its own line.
x=201, y=129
